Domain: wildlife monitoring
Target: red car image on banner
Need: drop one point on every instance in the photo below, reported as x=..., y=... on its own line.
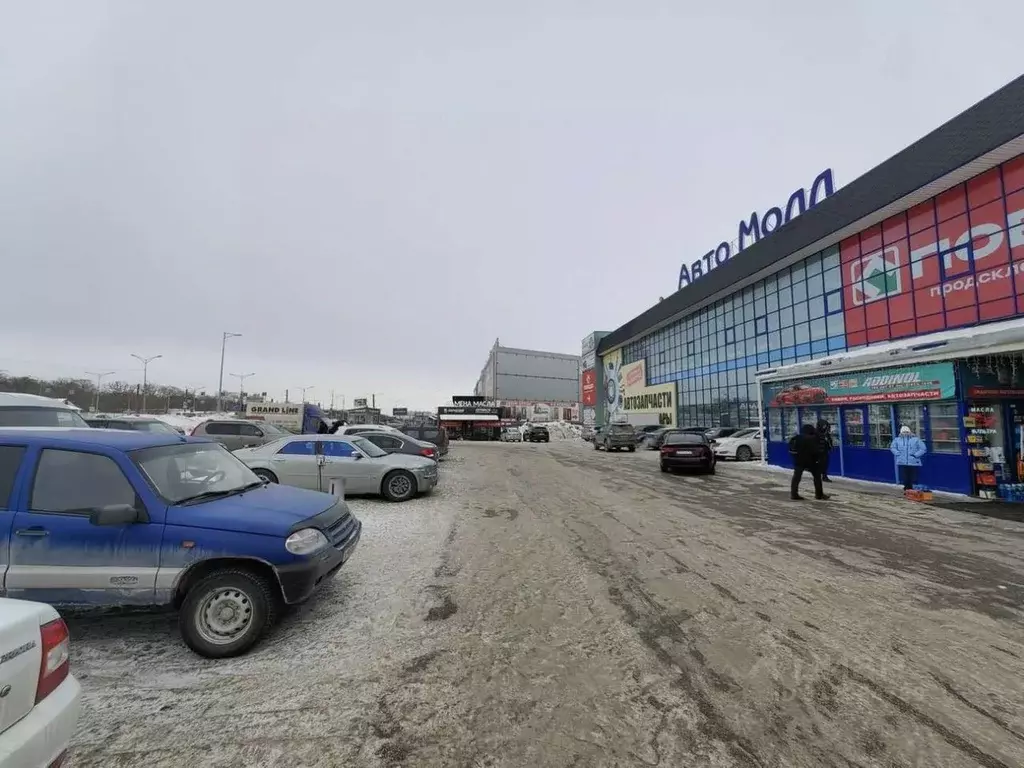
x=952, y=261
x=799, y=394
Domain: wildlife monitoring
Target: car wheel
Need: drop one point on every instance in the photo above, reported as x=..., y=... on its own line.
x=265, y=474
x=227, y=612
x=711, y=469
x=663, y=467
x=632, y=448
x=743, y=453
x=596, y=446
x=398, y=485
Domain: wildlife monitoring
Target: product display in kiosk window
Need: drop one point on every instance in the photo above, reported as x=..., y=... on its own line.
x=984, y=446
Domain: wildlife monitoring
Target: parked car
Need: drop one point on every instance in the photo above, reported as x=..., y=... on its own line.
x=111, y=517
x=598, y=434
x=39, y=697
x=312, y=461
x=536, y=433
x=401, y=443
x=687, y=450
x=616, y=437
x=743, y=445
x=646, y=429
x=139, y=423
x=429, y=433
x=511, y=435
x=358, y=429
x=652, y=440
x=238, y=433
x=23, y=410
x=587, y=433
x=717, y=433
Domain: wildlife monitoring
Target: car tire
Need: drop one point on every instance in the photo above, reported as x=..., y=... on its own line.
x=596, y=446
x=265, y=474
x=251, y=596
x=398, y=485
x=743, y=453
x=711, y=469
x=663, y=467
x=632, y=448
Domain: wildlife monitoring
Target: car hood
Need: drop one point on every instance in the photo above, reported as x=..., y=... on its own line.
x=270, y=510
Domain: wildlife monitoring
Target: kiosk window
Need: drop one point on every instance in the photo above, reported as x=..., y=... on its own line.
x=853, y=427
x=791, y=423
x=911, y=416
x=880, y=425
x=775, y=425
x=944, y=428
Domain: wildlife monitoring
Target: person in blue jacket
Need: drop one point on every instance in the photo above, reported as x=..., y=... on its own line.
x=908, y=449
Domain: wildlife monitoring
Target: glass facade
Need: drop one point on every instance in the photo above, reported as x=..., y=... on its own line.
x=952, y=261
x=713, y=355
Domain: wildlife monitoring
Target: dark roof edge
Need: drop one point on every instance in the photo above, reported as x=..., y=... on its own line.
x=982, y=128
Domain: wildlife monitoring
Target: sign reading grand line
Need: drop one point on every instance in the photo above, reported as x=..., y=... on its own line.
x=756, y=227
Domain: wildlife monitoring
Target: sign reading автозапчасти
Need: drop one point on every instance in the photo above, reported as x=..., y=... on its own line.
x=756, y=227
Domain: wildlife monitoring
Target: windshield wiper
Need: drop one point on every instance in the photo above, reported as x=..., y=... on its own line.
x=207, y=495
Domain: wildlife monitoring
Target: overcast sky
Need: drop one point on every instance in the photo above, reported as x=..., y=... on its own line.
x=372, y=192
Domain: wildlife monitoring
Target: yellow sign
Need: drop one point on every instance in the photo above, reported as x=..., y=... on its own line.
x=627, y=392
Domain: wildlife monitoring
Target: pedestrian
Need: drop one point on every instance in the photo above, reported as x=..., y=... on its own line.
x=336, y=426
x=805, y=449
x=826, y=443
x=908, y=449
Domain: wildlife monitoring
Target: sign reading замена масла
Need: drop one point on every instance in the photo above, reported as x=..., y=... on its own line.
x=753, y=229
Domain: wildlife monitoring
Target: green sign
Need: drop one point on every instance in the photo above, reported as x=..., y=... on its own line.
x=929, y=381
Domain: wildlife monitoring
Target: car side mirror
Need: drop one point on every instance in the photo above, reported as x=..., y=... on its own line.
x=356, y=455
x=114, y=514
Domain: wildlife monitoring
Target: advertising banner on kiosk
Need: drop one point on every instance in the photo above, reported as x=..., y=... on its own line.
x=929, y=381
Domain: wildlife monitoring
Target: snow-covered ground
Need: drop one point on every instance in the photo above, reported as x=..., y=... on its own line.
x=561, y=430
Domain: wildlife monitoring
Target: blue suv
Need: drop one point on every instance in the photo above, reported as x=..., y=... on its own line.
x=108, y=517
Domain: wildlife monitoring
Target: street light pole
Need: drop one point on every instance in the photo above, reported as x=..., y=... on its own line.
x=220, y=381
x=304, y=390
x=145, y=374
x=99, y=384
x=241, y=385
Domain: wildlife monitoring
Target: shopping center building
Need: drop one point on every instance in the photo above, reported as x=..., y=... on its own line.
x=897, y=299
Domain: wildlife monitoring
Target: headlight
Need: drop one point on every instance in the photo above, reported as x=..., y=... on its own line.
x=306, y=542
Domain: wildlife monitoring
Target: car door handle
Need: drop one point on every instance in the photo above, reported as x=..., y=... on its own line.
x=277, y=459
x=32, y=532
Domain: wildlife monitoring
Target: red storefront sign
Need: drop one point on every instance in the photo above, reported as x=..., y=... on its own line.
x=589, y=387
x=954, y=260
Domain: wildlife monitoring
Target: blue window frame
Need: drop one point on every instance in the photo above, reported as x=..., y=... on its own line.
x=337, y=448
x=761, y=325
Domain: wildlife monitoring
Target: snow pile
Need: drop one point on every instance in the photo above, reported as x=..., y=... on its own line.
x=561, y=430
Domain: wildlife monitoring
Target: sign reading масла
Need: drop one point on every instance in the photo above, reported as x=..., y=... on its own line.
x=756, y=227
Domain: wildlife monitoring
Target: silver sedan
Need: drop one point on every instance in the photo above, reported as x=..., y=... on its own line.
x=313, y=461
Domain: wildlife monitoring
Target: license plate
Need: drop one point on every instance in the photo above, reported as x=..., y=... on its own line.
x=685, y=453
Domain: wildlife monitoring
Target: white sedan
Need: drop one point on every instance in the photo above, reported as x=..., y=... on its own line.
x=742, y=446
x=39, y=698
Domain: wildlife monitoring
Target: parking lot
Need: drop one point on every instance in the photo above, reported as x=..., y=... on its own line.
x=550, y=605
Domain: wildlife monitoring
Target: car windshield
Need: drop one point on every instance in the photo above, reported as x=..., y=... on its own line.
x=679, y=438
x=368, y=448
x=624, y=429
x=30, y=416
x=193, y=471
x=745, y=433
x=271, y=430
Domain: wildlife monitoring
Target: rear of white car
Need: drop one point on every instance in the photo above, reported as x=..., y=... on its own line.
x=39, y=698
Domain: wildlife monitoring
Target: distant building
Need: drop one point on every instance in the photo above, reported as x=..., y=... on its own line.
x=531, y=382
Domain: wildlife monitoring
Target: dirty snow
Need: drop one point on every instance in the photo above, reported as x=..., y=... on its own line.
x=551, y=605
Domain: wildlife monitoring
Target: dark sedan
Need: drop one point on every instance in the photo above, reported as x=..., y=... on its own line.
x=396, y=442
x=686, y=450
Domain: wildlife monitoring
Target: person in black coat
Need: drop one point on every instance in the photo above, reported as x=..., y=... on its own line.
x=805, y=449
x=826, y=443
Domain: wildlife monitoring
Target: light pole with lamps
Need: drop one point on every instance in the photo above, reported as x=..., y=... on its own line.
x=241, y=386
x=304, y=390
x=220, y=382
x=145, y=374
x=99, y=384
